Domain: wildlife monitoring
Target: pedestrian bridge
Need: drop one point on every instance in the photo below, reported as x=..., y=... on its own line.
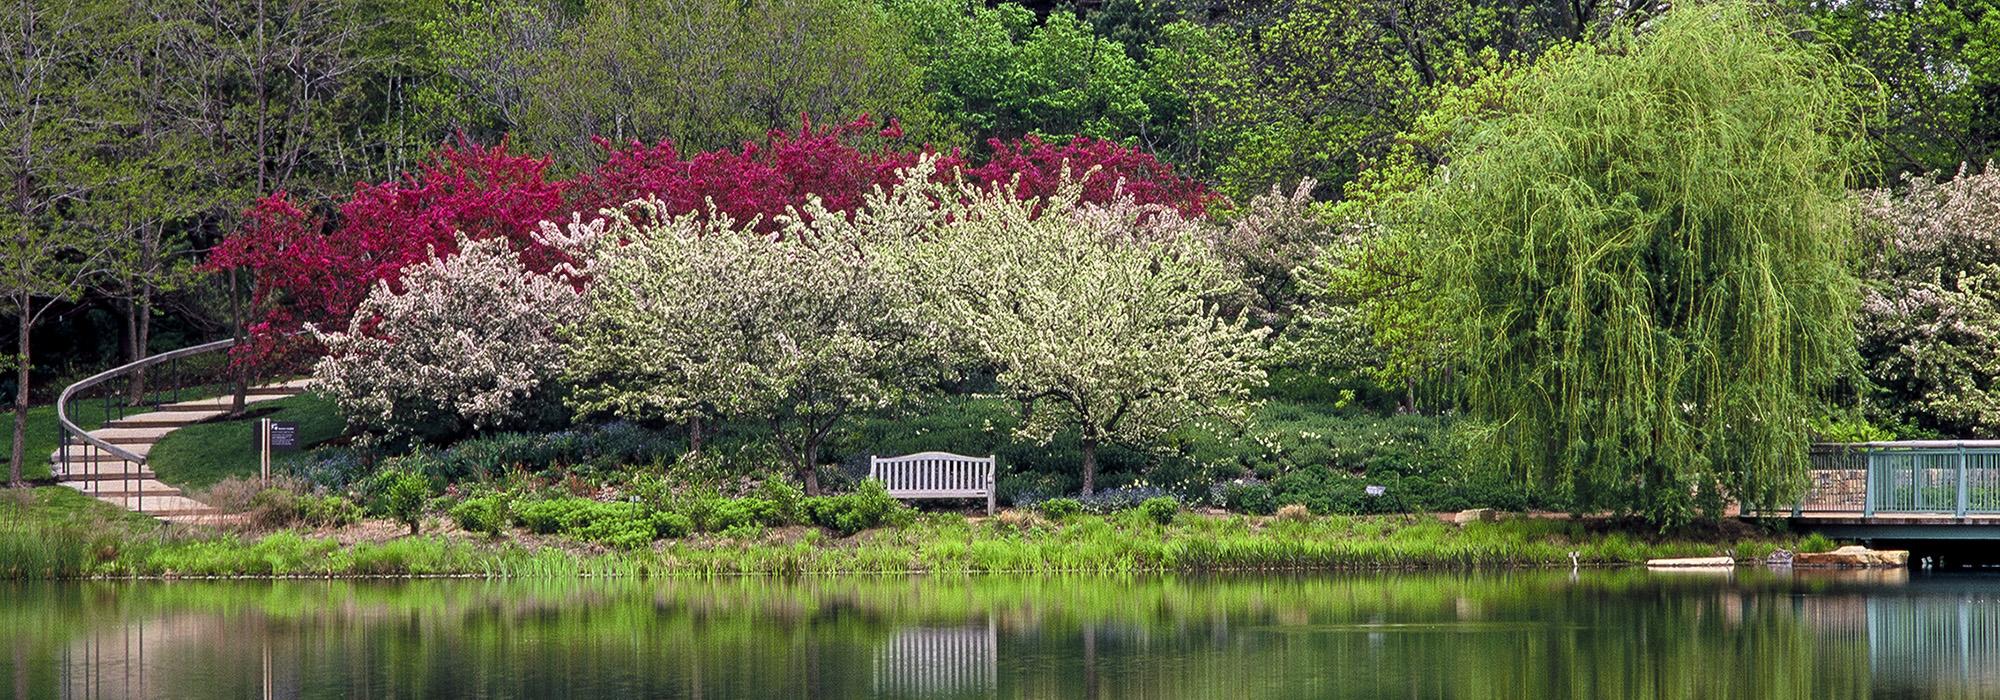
x=1905, y=490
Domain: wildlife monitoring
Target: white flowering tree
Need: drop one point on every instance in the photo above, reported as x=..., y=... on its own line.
x=1930, y=314
x=464, y=342
x=1101, y=319
x=705, y=318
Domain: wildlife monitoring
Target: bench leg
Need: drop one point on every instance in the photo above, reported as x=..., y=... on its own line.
x=989, y=503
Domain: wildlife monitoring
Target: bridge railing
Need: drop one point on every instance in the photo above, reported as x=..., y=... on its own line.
x=1910, y=477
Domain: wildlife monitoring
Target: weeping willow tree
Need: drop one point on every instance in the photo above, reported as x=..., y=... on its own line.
x=1645, y=263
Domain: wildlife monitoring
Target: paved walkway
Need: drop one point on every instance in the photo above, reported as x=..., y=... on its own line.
x=133, y=486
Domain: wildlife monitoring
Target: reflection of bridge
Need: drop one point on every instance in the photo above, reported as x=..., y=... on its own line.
x=1927, y=639
x=1910, y=490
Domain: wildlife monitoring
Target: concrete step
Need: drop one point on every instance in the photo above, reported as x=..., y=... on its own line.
x=82, y=456
x=160, y=505
x=122, y=434
x=216, y=519
x=179, y=419
x=148, y=493
x=75, y=477
x=90, y=453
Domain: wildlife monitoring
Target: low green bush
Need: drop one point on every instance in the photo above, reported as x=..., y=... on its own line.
x=328, y=510
x=273, y=507
x=1161, y=510
x=485, y=514
x=1061, y=508
x=547, y=516
x=619, y=525
x=867, y=506
x=623, y=524
x=787, y=501
x=401, y=496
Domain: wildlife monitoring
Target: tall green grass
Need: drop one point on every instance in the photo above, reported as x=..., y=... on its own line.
x=55, y=533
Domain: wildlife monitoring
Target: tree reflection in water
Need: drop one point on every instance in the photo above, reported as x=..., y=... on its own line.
x=1508, y=634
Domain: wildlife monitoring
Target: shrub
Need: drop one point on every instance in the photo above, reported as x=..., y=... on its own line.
x=785, y=499
x=483, y=514
x=328, y=511
x=624, y=525
x=547, y=516
x=401, y=496
x=237, y=494
x=671, y=525
x=1061, y=508
x=1161, y=510
x=1249, y=497
x=736, y=512
x=868, y=506
x=1294, y=513
x=620, y=525
x=273, y=507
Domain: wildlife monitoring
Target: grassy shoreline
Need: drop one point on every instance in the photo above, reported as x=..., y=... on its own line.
x=55, y=533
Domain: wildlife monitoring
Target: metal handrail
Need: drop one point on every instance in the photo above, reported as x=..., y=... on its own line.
x=1953, y=458
x=62, y=401
x=1918, y=444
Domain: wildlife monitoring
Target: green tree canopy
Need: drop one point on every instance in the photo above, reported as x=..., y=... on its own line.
x=1645, y=264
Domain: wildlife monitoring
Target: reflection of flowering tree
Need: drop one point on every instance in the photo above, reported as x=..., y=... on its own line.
x=1930, y=315
x=465, y=342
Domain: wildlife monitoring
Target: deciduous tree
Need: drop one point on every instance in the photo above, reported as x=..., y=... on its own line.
x=1645, y=265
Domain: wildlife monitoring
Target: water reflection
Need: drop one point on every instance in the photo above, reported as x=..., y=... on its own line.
x=1519, y=634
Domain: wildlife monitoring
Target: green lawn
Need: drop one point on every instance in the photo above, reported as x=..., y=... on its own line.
x=199, y=455
x=61, y=506
x=43, y=433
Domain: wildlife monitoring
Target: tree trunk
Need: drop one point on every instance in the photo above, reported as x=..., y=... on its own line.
x=135, y=350
x=1089, y=466
x=694, y=435
x=20, y=446
x=808, y=471
x=240, y=396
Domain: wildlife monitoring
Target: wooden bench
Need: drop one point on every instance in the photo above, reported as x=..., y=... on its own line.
x=935, y=475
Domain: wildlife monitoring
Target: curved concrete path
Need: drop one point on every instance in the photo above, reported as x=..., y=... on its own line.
x=113, y=480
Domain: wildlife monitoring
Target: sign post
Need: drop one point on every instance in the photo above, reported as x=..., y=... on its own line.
x=274, y=436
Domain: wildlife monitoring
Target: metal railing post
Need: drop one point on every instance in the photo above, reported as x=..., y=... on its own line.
x=1962, y=492
x=1868, y=485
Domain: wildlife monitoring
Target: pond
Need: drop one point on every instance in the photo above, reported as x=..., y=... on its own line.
x=1625, y=633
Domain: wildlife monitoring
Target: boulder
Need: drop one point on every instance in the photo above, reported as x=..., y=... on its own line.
x=1475, y=515
x=1852, y=557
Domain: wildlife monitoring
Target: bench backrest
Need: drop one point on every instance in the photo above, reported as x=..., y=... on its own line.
x=934, y=473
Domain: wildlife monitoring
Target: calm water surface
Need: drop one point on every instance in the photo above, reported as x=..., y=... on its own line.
x=1602, y=634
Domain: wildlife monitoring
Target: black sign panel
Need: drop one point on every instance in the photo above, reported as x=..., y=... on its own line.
x=284, y=436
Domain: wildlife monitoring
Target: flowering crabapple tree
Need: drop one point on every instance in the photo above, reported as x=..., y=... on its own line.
x=1929, y=325
x=461, y=343
x=1099, y=318
x=308, y=270
x=693, y=317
